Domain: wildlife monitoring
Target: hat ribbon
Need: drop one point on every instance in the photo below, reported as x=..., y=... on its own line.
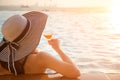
x=13, y=46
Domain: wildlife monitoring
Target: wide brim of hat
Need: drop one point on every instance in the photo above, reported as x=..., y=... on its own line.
x=32, y=39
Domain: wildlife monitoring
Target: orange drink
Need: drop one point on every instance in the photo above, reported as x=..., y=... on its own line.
x=48, y=36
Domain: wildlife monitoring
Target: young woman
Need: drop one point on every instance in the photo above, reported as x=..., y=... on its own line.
x=18, y=53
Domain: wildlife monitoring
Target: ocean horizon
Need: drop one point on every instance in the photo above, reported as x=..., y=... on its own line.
x=55, y=9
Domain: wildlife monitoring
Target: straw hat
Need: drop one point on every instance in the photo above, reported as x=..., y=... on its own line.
x=21, y=35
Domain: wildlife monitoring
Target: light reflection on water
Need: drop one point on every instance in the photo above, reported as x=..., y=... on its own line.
x=86, y=38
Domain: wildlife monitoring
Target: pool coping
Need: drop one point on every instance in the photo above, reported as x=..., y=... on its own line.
x=84, y=76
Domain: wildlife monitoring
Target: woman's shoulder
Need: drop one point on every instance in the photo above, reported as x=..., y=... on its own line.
x=41, y=56
x=37, y=54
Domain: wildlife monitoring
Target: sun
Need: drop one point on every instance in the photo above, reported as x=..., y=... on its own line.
x=114, y=16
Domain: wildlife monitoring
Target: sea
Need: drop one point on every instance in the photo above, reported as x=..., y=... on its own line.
x=91, y=40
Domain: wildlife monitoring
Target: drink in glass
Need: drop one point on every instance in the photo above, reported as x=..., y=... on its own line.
x=48, y=36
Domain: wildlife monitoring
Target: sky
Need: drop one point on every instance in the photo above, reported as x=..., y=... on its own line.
x=59, y=3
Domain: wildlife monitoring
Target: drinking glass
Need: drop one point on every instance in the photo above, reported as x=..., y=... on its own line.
x=48, y=36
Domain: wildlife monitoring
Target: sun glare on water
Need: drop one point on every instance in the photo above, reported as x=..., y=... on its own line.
x=114, y=16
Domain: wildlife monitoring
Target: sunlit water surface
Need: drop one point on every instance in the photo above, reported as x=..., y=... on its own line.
x=90, y=39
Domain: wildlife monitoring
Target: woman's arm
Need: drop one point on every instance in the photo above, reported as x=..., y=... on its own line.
x=65, y=67
x=55, y=45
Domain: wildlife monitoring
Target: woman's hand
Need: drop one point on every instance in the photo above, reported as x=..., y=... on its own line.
x=54, y=43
